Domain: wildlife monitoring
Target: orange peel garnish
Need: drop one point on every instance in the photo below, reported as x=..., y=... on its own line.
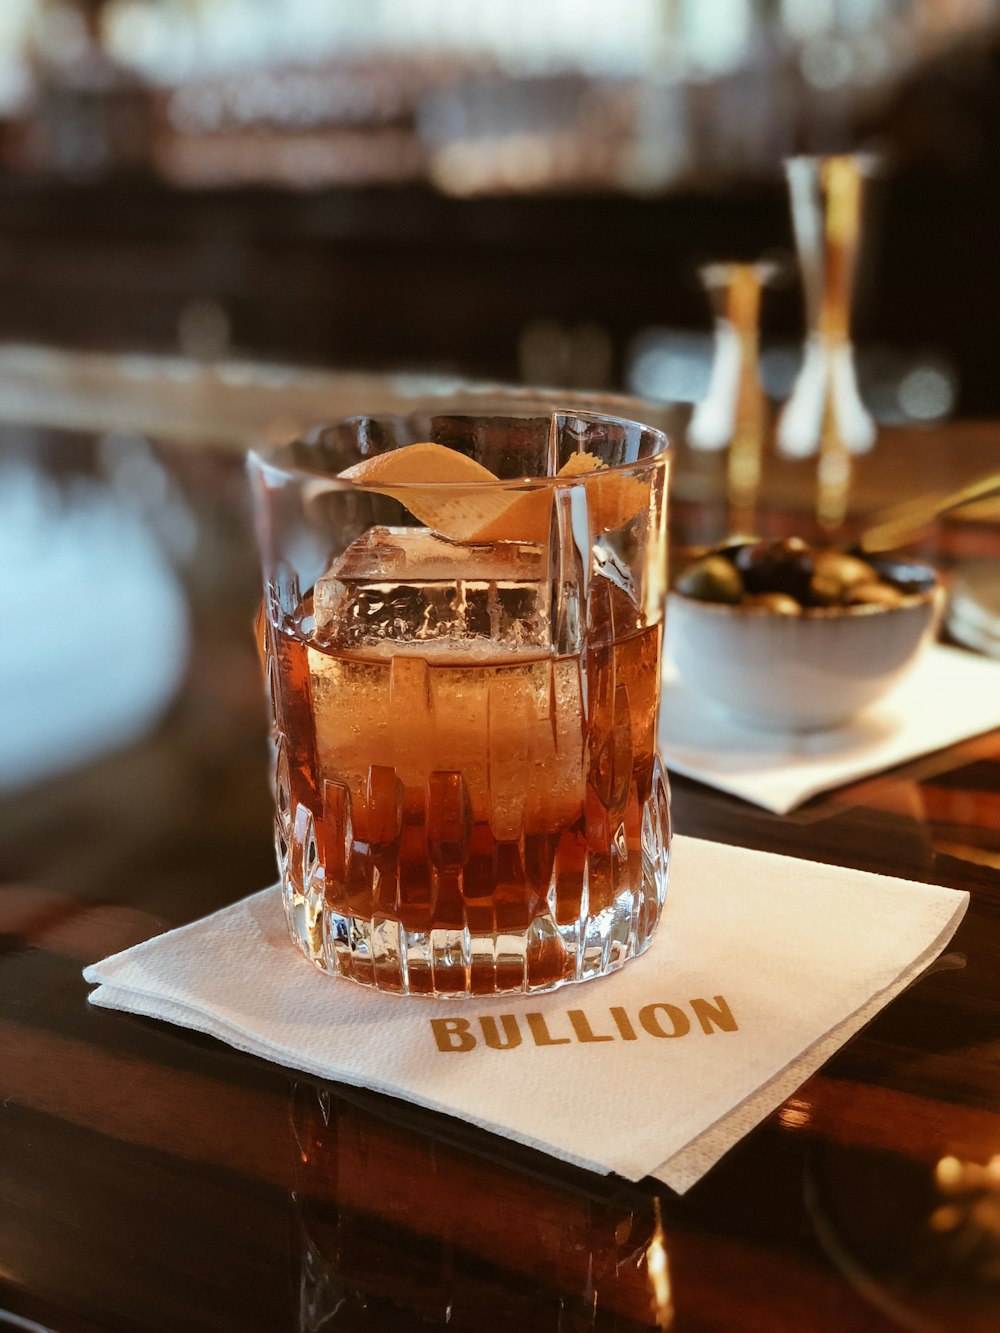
x=465, y=510
x=454, y=511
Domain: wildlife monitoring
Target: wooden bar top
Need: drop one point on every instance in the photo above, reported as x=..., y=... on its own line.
x=154, y=1179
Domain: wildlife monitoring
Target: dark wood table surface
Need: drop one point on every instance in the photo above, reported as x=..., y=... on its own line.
x=155, y=1179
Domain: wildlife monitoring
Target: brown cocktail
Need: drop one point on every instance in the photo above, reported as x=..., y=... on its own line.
x=469, y=796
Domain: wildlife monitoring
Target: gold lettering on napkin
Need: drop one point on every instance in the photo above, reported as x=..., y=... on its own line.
x=492, y=1036
x=718, y=1014
x=624, y=1023
x=660, y=1020
x=680, y=1023
x=452, y=1034
x=582, y=1028
x=541, y=1034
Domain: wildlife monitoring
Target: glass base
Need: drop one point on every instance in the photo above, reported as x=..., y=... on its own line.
x=379, y=952
x=446, y=962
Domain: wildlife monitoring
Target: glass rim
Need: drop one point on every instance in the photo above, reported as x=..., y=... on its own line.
x=271, y=459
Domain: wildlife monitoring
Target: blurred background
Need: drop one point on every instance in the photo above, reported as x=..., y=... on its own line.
x=511, y=189
x=222, y=220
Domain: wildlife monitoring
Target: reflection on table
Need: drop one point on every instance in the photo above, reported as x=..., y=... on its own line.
x=154, y=1178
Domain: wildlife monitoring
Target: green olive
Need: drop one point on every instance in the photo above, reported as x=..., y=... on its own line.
x=848, y=568
x=835, y=574
x=875, y=594
x=778, y=603
x=712, y=579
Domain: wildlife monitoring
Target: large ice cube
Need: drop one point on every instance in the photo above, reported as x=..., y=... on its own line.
x=407, y=585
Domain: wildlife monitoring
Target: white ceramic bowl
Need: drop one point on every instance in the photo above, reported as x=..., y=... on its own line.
x=797, y=673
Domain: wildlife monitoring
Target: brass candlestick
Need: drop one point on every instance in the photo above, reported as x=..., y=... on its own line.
x=825, y=414
x=734, y=411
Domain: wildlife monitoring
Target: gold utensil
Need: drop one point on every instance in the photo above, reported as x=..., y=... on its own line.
x=894, y=526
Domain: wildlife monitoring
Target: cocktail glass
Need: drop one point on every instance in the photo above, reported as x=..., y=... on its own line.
x=465, y=680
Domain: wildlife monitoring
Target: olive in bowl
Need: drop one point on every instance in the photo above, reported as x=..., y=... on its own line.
x=788, y=636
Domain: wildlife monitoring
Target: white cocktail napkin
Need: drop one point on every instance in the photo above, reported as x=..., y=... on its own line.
x=949, y=696
x=762, y=966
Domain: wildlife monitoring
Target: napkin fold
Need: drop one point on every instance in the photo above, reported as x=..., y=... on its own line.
x=761, y=968
x=949, y=695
